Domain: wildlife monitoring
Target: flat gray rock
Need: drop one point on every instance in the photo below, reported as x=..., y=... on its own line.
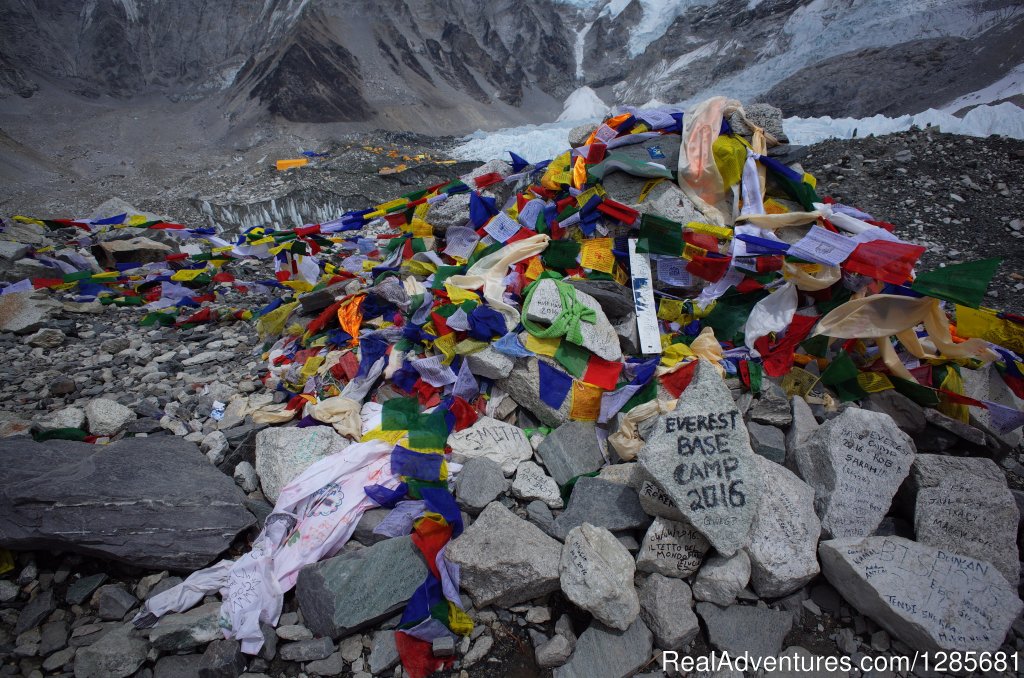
x=927, y=597
x=666, y=606
x=767, y=441
x=672, y=549
x=117, y=654
x=107, y=417
x=972, y=514
x=383, y=652
x=603, y=652
x=739, y=629
x=604, y=504
x=185, y=630
x=596, y=573
x=92, y=499
x=502, y=443
x=803, y=427
x=479, y=483
x=855, y=463
x=700, y=456
x=490, y=363
x=720, y=579
x=532, y=483
x=504, y=559
x=284, y=453
x=350, y=592
x=22, y=314
x=571, y=450
x=784, y=538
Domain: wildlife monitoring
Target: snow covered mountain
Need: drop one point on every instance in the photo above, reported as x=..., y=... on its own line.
x=456, y=65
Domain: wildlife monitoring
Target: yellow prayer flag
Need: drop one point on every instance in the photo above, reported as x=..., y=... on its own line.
x=798, y=381
x=187, y=274
x=457, y=295
x=596, y=254
x=586, y=401
x=670, y=309
x=542, y=346
x=873, y=382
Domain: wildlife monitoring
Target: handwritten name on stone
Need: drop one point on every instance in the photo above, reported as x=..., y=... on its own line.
x=502, y=443
x=929, y=598
x=855, y=463
x=700, y=456
x=671, y=548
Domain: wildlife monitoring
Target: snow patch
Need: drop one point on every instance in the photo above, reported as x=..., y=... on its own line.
x=533, y=142
x=1011, y=84
x=583, y=105
x=581, y=38
x=657, y=16
x=1005, y=119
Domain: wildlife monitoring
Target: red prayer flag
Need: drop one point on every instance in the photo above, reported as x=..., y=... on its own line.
x=711, y=269
x=676, y=382
x=884, y=260
x=602, y=373
x=777, y=359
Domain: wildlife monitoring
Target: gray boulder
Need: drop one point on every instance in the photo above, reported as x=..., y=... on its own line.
x=284, y=453
x=479, y=483
x=599, y=336
x=117, y=654
x=107, y=417
x=784, y=536
x=604, y=504
x=720, y=578
x=700, y=455
x=743, y=629
x=967, y=512
x=855, y=463
x=504, y=444
x=350, y=592
x=92, y=499
x=571, y=450
x=666, y=606
x=596, y=573
x=927, y=597
x=670, y=548
x=603, y=652
x=504, y=559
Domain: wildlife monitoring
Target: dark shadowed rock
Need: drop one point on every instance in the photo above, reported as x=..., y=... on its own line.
x=150, y=502
x=739, y=629
x=603, y=652
x=346, y=593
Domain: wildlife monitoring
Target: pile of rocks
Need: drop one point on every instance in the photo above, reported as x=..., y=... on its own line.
x=750, y=521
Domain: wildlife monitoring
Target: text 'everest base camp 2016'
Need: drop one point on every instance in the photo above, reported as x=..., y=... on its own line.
x=322, y=390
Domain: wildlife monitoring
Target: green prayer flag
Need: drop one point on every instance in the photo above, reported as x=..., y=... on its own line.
x=841, y=376
x=428, y=431
x=573, y=358
x=964, y=284
x=398, y=414
x=660, y=236
x=561, y=254
x=922, y=395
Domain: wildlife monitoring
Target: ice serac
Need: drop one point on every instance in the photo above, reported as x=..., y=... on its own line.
x=150, y=502
x=929, y=598
x=855, y=463
x=700, y=455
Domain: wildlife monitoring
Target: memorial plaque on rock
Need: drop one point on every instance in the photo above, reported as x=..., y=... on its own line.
x=700, y=455
x=855, y=463
x=929, y=598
